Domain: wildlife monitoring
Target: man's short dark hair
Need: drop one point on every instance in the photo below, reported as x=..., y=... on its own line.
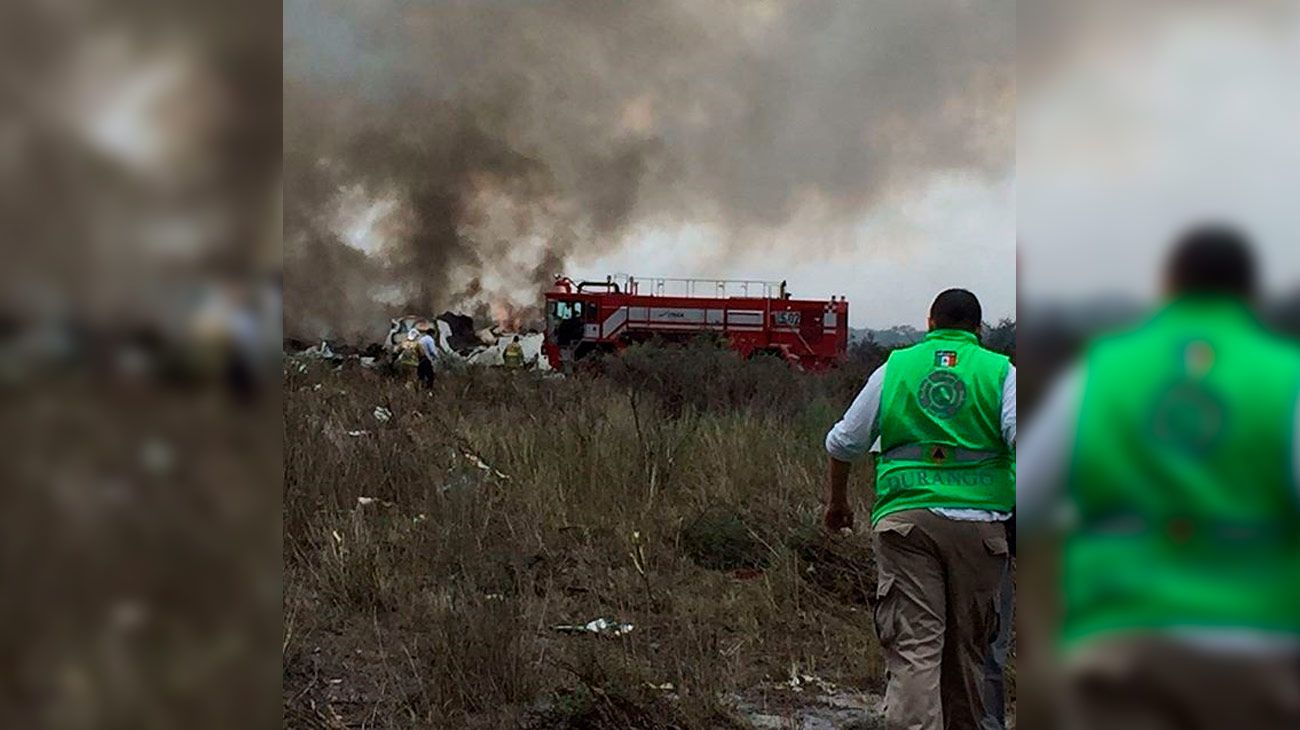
x=956, y=309
x=1212, y=259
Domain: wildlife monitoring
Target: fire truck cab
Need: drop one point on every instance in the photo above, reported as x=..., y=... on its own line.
x=753, y=317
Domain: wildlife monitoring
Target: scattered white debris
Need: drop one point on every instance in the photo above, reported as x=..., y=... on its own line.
x=495, y=597
x=369, y=362
x=366, y=501
x=492, y=355
x=488, y=335
x=444, y=336
x=321, y=351
x=355, y=434
x=337, y=537
x=129, y=614
x=382, y=414
x=157, y=456
x=798, y=682
x=317, y=386
x=478, y=462
x=418, y=519
x=599, y=627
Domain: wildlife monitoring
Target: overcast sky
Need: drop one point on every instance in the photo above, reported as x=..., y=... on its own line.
x=955, y=232
x=1147, y=124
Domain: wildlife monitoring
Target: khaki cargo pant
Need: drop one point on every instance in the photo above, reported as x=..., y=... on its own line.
x=1155, y=684
x=936, y=616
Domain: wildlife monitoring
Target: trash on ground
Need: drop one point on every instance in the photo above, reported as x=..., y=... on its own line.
x=129, y=614
x=157, y=456
x=600, y=627
x=798, y=682
x=363, y=501
x=321, y=351
x=382, y=414
x=478, y=462
x=355, y=434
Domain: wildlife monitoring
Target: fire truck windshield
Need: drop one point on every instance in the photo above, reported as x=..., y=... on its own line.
x=564, y=321
x=561, y=311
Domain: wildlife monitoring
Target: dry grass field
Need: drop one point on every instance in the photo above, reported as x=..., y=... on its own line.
x=430, y=555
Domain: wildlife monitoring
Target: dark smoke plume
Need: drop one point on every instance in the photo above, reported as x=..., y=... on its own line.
x=457, y=154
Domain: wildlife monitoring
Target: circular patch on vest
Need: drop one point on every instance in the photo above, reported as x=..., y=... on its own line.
x=942, y=394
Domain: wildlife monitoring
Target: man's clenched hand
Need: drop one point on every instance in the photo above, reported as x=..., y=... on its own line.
x=839, y=517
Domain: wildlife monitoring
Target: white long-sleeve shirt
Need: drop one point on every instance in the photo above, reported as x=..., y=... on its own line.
x=428, y=348
x=859, y=431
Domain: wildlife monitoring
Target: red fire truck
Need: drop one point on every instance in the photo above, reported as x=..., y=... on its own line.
x=754, y=317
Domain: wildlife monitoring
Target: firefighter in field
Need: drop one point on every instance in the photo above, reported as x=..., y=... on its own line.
x=513, y=357
x=1173, y=447
x=408, y=355
x=944, y=411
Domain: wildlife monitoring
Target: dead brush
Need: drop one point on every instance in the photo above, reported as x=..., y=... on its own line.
x=499, y=505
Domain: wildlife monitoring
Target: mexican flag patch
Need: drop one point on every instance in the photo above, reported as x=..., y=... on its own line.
x=945, y=359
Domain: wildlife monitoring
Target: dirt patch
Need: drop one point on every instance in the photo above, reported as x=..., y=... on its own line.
x=808, y=705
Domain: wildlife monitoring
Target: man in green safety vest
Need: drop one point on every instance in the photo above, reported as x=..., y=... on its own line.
x=944, y=413
x=1168, y=459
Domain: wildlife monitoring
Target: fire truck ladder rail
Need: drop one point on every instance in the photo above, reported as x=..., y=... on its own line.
x=717, y=288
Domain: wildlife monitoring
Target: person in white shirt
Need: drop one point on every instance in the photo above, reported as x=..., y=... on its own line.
x=944, y=412
x=427, y=348
x=1164, y=464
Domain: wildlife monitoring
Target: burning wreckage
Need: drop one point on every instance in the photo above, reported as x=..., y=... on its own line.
x=456, y=337
x=585, y=318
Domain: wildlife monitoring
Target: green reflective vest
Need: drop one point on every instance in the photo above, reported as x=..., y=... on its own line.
x=513, y=357
x=941, y=443
x=1182, y=479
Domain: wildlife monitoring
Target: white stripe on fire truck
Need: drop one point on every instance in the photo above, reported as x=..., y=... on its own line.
x=744, y=317
x=688, y=326
x=680, y=317
x=614, y=321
